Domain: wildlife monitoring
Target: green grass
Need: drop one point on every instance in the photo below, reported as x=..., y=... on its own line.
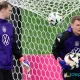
x=37, y=35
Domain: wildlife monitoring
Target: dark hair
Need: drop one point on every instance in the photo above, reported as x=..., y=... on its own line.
x=4, y=4
x=75, y=18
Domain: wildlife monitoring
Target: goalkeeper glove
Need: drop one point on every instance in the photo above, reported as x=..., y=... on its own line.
x=25, y=64
x=63, y=64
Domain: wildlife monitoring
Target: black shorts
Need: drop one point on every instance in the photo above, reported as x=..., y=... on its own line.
x=5, y=74
x=70, y=75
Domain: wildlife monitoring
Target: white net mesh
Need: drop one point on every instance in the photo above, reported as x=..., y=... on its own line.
x=37, y=35
x=44, y=7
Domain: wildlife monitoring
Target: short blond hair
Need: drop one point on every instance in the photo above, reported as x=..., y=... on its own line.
x=75, y=18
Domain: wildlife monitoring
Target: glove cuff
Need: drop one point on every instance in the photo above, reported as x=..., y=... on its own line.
x=21, y=59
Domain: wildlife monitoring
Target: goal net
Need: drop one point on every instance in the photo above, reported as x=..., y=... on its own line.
x=37, y=36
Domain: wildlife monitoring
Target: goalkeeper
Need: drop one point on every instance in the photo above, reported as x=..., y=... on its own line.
x=67, y=42
x=8, y=45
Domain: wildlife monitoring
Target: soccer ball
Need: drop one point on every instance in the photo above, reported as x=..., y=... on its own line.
x=72, y=59
x=54, y=18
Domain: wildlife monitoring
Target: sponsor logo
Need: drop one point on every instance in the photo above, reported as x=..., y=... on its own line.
x=71, y=75
x=5, y=39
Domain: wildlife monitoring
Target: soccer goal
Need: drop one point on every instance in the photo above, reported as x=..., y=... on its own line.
x=37, y=35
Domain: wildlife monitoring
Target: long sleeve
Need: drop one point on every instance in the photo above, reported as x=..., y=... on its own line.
x=59, y=43
x=57, y=47
x=15, y=49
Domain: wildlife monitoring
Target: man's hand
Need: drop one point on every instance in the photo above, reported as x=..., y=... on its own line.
x=25, y=64
x=63, y=64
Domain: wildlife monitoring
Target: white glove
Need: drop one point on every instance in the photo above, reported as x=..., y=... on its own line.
x=25, y=64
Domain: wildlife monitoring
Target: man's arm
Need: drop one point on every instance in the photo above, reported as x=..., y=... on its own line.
x=15, y=49
x=59, y=43
x=18, y=54
x=57, y=46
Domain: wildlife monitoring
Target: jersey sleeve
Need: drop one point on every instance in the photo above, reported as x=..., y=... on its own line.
x=15, y=49
x=58, y=45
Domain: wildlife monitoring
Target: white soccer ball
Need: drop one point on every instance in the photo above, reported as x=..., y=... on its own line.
x=55, y=18
x=72, y=59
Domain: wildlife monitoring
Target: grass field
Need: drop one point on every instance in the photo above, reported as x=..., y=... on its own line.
x=37, y=35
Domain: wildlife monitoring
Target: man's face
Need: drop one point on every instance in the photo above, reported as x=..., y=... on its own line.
x=7, y=12
x=76, y=27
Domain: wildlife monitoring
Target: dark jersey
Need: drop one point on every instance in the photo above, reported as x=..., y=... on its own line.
x=8, y=45
x=66, y=42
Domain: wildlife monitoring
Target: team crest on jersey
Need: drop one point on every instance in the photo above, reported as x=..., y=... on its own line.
x=4, y=29
x=76, y=43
